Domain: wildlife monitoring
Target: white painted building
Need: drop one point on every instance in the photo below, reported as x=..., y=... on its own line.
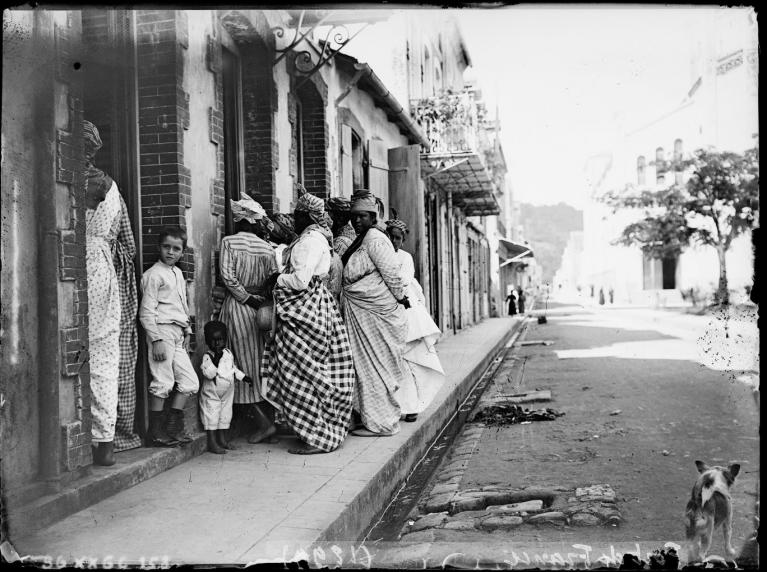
x=719, y=109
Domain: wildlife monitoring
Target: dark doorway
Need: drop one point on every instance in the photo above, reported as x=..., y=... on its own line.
x=432, y=229
x=669, y=273
x=234, y=172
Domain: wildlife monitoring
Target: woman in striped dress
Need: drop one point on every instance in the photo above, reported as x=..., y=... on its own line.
x=373, y=300
x=246, y=262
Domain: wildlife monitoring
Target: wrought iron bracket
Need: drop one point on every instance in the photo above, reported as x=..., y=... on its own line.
x=309, y=58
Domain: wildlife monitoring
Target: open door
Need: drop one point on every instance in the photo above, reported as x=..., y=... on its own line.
x=406, y=195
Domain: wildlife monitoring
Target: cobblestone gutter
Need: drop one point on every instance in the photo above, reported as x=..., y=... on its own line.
x=494, y=508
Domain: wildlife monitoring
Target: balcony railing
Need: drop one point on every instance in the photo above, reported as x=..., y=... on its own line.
x=452, y=122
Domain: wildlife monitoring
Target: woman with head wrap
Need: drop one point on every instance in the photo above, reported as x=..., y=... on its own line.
x=103, y=213
x=335, y=274
x=246, y=262
x=283, y=234
x=308, y=372
x=339, y=209
x=416, y=392
x=373, y=300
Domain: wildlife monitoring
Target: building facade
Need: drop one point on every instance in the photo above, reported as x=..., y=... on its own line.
x=196, y=108
x=718, y=109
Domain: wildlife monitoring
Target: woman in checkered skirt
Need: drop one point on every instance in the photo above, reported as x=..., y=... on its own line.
x=307, y=369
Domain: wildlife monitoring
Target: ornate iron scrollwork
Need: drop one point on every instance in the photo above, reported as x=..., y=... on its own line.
x=308, y=57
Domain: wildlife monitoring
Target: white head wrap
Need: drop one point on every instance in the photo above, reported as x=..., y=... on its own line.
x=247, y=209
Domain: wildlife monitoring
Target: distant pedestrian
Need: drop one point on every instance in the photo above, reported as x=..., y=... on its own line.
x=591, y=287
x=601, y=296
x=521, y=300
x=416, y=392
x=308, y=371
x=511, y=299
x=611, y=294
x=164, y=313
x=374, y=304
x=217, y=393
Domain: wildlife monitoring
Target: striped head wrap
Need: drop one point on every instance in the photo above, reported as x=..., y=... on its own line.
x=365, y=201
x=313, y=206
x=395, y=222
x=92, y=138
x=338, y=204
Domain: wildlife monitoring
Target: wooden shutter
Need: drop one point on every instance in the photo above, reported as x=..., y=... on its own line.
x=378, y=172
x=406, y=195
x=346, y=161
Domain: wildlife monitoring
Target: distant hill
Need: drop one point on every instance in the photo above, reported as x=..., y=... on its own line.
x=548, y=228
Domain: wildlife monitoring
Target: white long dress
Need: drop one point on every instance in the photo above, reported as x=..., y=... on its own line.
x=104, y=311
x=416, y=393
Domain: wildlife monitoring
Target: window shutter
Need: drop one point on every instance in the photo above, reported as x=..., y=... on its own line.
x=378, y=172
x=346, y=161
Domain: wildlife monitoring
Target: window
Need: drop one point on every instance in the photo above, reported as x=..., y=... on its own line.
x=660, y=166
x=641, y=170
x=678, y=172
x=233, y=145
x=358, y=162
x=659, y=274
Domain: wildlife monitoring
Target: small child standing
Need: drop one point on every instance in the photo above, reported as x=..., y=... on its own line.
x=217, y=394
x=164, y=313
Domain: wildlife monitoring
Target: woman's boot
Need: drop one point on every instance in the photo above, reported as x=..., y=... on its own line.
x=104, y=454
x=157, y=436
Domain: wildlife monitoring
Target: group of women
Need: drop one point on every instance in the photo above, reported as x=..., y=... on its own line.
x=351, y=344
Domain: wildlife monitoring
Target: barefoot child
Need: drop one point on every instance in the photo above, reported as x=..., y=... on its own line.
x=217, y=393
x=164, y=313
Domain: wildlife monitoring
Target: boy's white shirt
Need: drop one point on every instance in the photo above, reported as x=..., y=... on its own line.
x=226, y=370
x=149, y=312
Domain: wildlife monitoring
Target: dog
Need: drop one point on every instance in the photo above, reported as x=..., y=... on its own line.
x=709, y=507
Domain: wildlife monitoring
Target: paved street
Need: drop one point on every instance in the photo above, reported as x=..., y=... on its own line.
x=645, y=393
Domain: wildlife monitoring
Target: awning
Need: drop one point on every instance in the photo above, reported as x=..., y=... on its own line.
x=466, y=178
x=515, y=251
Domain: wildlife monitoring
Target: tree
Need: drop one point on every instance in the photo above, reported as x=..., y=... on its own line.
x=718, y=203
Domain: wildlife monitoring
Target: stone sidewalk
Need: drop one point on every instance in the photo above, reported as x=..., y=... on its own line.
x=260, y=503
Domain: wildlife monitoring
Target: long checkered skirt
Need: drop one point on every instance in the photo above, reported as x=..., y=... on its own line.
x=307, y=369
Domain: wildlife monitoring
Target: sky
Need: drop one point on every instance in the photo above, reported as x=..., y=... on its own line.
x=562, y=76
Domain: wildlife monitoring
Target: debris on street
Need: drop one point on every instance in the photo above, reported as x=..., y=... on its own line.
x=510, y=414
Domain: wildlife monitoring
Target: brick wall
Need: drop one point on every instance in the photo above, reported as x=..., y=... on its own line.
x=162, y=38
x=259, y=102
x=73, y=336
x=313, y=98
x=255, y=43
